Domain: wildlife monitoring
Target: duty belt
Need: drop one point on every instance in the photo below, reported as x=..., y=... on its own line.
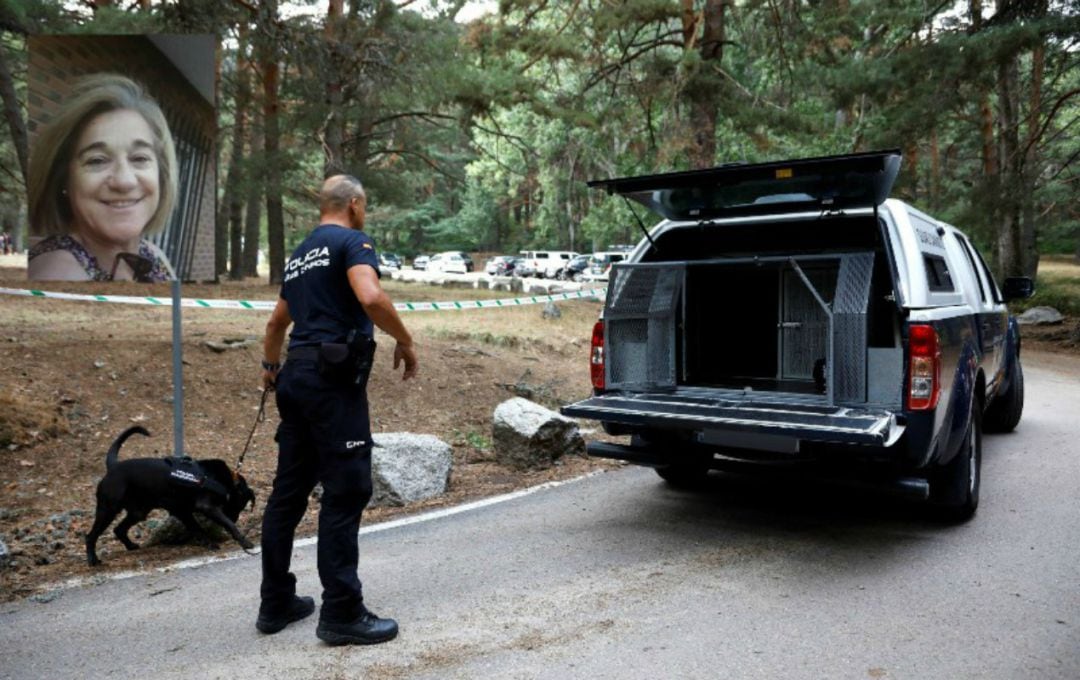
x=307, y=353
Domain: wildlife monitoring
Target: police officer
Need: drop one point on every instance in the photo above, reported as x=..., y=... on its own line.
x=331, y=295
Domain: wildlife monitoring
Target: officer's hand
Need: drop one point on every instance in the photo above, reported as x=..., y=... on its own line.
x=406, y=353
x=268, y=378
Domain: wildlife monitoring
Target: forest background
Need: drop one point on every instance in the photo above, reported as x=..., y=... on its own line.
x=480, y=135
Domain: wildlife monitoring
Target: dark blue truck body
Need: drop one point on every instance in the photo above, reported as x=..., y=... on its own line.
x=790, y=313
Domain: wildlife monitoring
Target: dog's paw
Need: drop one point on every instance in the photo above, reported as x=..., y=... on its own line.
x=93, y=561
x=246, y=544
x=131, y=545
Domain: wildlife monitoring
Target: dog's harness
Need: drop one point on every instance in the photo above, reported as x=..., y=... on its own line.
x=187, y=472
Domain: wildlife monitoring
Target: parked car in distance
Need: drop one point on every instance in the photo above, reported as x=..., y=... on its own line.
x=547, y=263
x=573, y=269
x=500, y=265
x=521, y=267
x=789, y=315
x=420, y=262
x=450, y=262
x=600, y=264
x=389, y=261
x=469, y=266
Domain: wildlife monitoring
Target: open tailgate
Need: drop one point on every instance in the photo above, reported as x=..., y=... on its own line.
x=807, y=422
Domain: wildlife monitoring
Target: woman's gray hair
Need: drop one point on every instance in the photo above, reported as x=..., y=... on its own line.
x=338, y=191
x=50, y=209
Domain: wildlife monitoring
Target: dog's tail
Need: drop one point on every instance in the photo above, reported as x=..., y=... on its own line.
x=114, y=450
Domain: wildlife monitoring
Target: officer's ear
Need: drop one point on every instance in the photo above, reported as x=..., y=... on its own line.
x=358, y=209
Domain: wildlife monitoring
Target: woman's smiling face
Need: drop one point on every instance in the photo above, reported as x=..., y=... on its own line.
x=113, y=178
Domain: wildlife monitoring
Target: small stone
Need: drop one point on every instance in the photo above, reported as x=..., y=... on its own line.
x=45, y=598
x=551, y=311
x=99, y=364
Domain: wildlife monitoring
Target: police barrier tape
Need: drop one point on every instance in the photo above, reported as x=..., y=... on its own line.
x=269, y=304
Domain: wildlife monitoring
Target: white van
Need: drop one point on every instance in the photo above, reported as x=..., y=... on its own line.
x=547, y=263
x=600, y=264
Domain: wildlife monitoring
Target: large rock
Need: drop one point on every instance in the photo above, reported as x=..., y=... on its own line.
x=527, y=435
x=1038, y=316
x=409, y=467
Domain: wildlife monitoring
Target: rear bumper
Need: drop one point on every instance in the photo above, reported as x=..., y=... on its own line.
x=887, y=480
x=758, y=422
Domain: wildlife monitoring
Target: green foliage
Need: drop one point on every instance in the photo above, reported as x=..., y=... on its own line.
x=483, y=136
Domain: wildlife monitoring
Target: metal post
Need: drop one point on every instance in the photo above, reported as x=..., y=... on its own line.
x=178, y=374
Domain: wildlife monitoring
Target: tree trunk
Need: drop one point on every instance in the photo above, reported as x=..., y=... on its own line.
x=986, y=114
x=1008, y=238
x=13, y=112
x=334, y=138
x=235, y=181
x=935, y=168
x=252, y=224
x=705, y=86
x=268, y=62
x=1029, y=249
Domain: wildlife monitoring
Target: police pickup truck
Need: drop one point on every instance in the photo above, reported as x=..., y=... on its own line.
x=790, y=313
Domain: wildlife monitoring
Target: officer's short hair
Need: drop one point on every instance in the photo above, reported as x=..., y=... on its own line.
x=336, y=195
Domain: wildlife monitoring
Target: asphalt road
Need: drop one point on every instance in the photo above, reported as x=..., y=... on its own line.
x=619, y=576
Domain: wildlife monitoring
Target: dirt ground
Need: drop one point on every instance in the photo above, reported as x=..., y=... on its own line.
x=75, y=374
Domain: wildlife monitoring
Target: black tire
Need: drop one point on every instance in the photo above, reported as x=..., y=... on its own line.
x=1003, y=414
x=954, y=488
x=684, y=476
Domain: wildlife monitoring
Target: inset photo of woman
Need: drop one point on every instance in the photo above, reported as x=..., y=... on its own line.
x=122, y=158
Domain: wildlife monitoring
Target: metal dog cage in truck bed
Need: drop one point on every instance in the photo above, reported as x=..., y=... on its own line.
x=675, y=355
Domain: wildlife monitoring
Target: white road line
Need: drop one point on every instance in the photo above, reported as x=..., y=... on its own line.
x=197, y=562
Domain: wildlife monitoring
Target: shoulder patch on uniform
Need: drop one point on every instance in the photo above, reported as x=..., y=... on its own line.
x=368, y=246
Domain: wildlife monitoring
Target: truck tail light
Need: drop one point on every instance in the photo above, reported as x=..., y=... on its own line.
x=924, y=371
x=596, y=356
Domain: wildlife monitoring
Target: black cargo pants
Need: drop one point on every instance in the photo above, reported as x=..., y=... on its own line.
x=324, y=436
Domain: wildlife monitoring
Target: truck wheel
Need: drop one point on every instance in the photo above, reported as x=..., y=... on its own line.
x=1003, y=414
x=683, y=476
x=954, y=488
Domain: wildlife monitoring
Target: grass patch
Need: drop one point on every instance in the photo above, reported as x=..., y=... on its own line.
x=1057, y=286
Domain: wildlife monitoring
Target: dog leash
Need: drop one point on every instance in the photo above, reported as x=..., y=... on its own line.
x=260, y=417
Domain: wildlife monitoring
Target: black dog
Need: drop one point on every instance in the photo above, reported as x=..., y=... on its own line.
x=143, y=484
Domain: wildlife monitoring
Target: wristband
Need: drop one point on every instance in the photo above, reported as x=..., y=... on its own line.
x=267, y=366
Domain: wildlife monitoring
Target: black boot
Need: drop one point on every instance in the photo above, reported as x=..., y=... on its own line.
x=273, y=622
x=367, y=629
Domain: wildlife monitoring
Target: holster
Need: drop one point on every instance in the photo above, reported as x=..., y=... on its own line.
x=349, y=362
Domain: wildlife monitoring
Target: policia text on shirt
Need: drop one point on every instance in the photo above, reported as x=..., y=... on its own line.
x=332, y=299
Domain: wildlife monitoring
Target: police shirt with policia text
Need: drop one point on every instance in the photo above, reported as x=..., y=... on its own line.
x=321, y=303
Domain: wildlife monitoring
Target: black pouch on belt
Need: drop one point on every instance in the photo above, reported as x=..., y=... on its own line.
x=335, y=364
x=346, y=363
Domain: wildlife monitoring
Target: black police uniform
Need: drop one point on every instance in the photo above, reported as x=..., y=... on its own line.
x=325, y=435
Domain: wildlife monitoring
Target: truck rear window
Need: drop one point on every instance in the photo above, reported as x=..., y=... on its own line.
x=937, y=274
